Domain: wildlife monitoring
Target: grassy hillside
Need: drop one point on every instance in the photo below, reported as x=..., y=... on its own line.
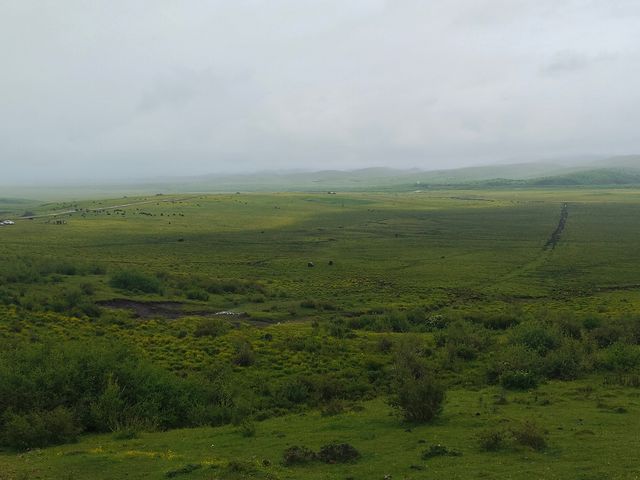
x=266, y=321
x=609, y=176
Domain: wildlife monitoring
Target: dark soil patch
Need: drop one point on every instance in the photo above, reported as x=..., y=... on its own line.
x=172, y=310
x=142, y=309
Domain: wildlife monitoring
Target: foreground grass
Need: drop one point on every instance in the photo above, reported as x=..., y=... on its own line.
x=591, y=432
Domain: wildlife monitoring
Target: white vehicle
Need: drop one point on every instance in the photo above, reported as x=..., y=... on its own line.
x=8, y=222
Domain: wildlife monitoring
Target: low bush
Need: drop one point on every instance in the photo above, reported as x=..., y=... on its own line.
x=418, y=395
x=439, y=451
x=492, y=440
x=135, y=282
x=51, y=393
x=620, y=357
x=298, y=455
x=538, y=337
x=198, y=294
x=244, y=354
x=338, y=453
x=211, y=327
x=188, y=468
x=516, y=367
x=519, y=380
x=530, y=434
x=247, y=428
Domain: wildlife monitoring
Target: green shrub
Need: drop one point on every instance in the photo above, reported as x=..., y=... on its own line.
x=620, y=357
x=135, y=282
x=492, y=440
x=338, y=453
x=530, y=434
x=418, y=395
x=566, y=362
x=247, y=428
x=333, y=407
x=439, y=451
x=537, y=337
x=244, y=355
x=298, y=455
x=519, y=380
x=49, y=393
x=516, y=366
x=39, y=428
x=212, y=327
x=463, y=340
x=292, y=391
x=188, y=468
x=198, y=294
x=607, y=335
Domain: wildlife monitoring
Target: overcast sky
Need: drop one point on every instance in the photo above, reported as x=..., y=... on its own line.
x=113, y=88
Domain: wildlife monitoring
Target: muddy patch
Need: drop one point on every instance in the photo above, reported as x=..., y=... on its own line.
x=169, y=310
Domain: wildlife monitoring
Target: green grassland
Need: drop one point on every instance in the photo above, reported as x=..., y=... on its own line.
x=311, y=355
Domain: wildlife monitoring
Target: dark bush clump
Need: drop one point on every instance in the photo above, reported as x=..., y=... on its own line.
x=245, y=356
x=515, y=367
x=298, y=455
x=51, y=393
x=136, y=282
x=530, y=434
x=439, y=451
x=418, y=395
x=492, y=440
x=188, y=468
x=211, y=327
x=338, y=453
x=198, y=294
x=540, y=338
x=519, y=380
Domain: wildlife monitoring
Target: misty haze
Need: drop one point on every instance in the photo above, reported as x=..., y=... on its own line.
x=312, y=239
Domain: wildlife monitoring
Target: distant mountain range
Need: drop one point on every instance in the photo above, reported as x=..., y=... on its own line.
x=621, y=170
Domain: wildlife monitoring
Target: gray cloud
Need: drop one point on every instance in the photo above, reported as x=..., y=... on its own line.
x=109, y=89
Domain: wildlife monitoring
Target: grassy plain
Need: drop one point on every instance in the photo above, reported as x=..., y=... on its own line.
x=459, y=255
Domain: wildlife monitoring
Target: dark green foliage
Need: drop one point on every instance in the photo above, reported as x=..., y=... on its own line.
x=338, y=453
x=39, y=428
x=244, y=355
x=135, y=282
x=439, y=451
x=519, y=380
x=333, y=407
x=211, y=327
x=620, y=357
x=515, y=367
x=198, y=294
x=494, y=321
x=537, y=337
x=298, y=455
x=317, y=305
x=567, y=362
x=50, y=393
x=530, y=434
x=463, y=340
x=293, y=391
x=417, y=393
x=492, y=440
x=188, y=468
x=247, y=428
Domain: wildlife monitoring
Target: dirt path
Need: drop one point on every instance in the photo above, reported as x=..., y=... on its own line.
x=557, y=233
